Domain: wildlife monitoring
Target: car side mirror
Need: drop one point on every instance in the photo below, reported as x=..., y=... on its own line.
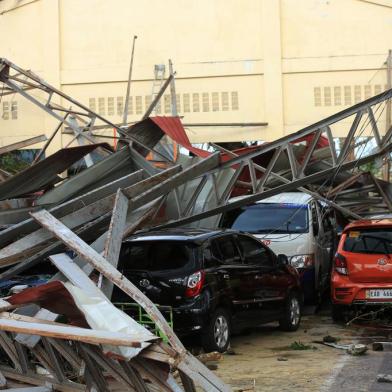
x=282, y=260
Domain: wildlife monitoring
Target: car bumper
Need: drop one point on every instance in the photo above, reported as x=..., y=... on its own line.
x=192, y=316
x=346, y=292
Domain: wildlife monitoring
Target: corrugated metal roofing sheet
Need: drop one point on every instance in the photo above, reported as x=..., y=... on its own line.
x=43, y=173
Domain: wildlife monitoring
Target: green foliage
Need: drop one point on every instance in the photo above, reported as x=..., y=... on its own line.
x=10, y=162
x=370, y=167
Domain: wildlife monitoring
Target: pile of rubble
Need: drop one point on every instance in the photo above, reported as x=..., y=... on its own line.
x=66, y=334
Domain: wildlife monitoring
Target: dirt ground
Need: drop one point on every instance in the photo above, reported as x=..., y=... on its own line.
x=263, y=360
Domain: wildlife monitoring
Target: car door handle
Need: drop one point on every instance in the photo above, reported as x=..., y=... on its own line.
x=258, y=276
x=226, y=276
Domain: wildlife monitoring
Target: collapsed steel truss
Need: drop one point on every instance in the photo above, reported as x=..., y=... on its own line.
x=71, y=113
x=305, y=171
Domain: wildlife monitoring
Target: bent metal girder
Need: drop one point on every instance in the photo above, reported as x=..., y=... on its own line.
x=304, y=172
x=265, y=181
x=71, y=113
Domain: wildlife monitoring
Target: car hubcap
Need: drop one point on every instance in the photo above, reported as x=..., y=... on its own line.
x=221, y=331
x=294, y=311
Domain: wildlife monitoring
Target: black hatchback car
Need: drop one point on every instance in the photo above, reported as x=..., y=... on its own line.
x=216, y=282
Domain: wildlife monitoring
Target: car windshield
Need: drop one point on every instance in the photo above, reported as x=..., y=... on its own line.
x=156, y=255
x=370, y=241
x=268, y=218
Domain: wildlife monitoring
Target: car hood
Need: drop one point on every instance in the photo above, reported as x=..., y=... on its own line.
x=288, y=244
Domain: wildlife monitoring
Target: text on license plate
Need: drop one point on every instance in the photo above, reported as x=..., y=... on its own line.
x=379, y=293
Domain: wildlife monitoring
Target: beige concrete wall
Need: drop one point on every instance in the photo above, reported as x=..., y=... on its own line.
x=284, y=62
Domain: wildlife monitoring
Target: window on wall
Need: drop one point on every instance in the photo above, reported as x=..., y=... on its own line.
x=327, y=96
x=357, y=94
x=101, y=106
x=6, y=111
x=337, y=95
x=215, y=102
x=317, y=96
x=167, y=103
x=347, y=95
x=130, y=105
x=92, y=105
x=147, y=101
x=206, y=102
x=138, y=104
x=178, y=102
x=367, y=91
x=186, y=103
x=234, y=100
x=225, y=101
x=14, y=110
x=110, y=106
x=196, y=102
x=120, y=106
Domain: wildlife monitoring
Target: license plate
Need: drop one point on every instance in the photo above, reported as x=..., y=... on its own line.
x=379, y=293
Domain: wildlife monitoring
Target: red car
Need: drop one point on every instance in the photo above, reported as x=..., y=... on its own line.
x=362, y=268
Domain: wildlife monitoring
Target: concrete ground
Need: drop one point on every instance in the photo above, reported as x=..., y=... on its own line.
x=264, y=360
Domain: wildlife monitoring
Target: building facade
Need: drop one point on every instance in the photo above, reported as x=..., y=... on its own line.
x=252, y=69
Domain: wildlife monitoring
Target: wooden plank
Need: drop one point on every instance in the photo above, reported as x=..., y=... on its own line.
x=110, y=366
x=63, y=233
x=35, y=379
x=193, y=368
x=22, y=144
x=93, y=373
x=114, y=239
x=133, y=222
x=67, y=352
x=22, y=355
x=31, y=389
x=3, y=381
x=54, y=360
x=69, y=333
x=74, y=273
x=44, y=360
x=10, y=351
x=187, y=383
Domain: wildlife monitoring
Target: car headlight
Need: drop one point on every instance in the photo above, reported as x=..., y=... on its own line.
x=302, y=261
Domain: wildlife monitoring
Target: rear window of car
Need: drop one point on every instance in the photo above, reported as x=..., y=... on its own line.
x=156, y=256
x=370, y=241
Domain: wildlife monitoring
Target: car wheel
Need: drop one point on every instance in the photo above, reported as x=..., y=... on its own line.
x=338, y=313
x=216, y=335
x=292, y=314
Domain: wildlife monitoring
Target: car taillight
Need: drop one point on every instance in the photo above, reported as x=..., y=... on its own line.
x=340, y=264
x=194, y=284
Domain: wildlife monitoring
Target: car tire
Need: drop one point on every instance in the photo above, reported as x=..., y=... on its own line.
x=216, y=335
x=338, y=313
x=291, y=318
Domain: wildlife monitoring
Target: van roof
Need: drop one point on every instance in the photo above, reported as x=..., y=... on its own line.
x=285, y=197
x=369, y=223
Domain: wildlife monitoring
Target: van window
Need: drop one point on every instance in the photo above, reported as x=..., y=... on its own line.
x=155, y=256
x=377, y=241
x=268, y=218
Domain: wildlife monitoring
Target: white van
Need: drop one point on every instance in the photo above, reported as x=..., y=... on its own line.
x=294, y=224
